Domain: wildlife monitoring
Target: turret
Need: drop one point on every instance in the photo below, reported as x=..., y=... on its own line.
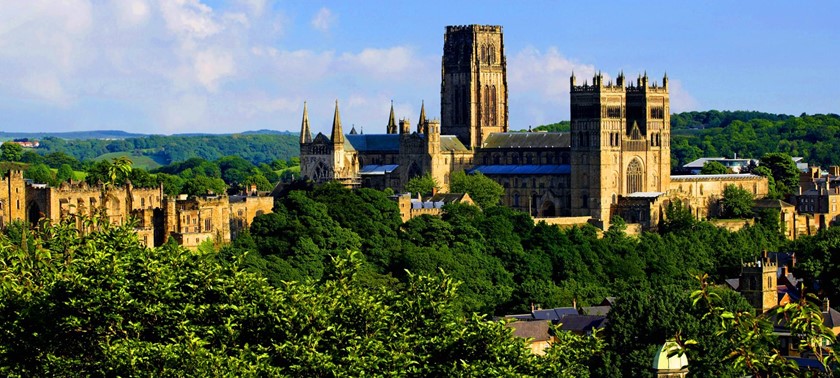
x=619, y=81
x=337, y=136
x=353, y=130
x=421, y=123
x=665, y=81
x=573, y=80
x=405, y=126
x=392, y=123
x=305, y=133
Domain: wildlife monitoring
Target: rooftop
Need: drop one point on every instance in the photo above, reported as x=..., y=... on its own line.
x=527, y=140
x=554, y=169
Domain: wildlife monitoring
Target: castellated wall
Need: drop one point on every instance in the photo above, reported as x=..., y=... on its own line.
x=189, y=220
x=701, y=192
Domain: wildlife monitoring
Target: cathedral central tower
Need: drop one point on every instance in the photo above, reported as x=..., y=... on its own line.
x=473, y=98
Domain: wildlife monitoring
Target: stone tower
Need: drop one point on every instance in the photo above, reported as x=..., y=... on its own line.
x=619, y=142
x=473, y=98
x=758, y=284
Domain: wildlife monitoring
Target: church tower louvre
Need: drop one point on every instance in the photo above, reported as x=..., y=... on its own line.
x=474, y=83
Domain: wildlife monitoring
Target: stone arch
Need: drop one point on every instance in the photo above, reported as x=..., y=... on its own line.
x=635, y=176
x=414, y=170
x=321, y=173
x=34, y=213
x=548, y=209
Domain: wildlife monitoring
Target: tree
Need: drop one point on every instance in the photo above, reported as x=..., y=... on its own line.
x=736, y=202
x=482, y=189
x=39, y=173
x=65, y=173
x=203, y=185
x=785, y=173
x=714, y=168
x=763, y=171
x=423, y=185
x=10, y=151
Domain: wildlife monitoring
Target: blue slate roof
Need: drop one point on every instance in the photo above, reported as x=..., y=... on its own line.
x=373, y=142
x=554, y=169
x=553, y=313
x=378, y=169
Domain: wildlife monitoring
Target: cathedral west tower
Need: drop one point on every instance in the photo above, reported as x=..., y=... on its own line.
x=474, y=83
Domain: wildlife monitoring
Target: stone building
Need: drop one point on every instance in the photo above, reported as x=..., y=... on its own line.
x=616, y=160
x=189, y=220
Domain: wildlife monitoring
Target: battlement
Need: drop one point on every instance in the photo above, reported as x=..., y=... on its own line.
x=474, y=27
x=641, y=85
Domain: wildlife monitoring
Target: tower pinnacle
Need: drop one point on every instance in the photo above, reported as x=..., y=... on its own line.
x=337, y=136
x=305, y=134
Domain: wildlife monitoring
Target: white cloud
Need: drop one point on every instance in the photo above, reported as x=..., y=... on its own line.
x=546, y=73
x=681, y=100
x=210, y=66
x=324, y=20
x=189, y=18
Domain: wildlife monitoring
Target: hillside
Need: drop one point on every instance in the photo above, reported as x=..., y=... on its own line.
x=256, y=147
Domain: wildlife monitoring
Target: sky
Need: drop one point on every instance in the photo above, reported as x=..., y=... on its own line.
x=226, y=66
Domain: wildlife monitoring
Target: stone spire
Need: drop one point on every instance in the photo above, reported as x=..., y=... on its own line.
x=337, y=136
x=305, y=134
x=392, y=122
x=421, y=123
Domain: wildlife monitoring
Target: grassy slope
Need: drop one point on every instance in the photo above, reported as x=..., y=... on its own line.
x=140, y=161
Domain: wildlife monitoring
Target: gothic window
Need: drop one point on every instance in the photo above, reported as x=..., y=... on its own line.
x=585, y=201
x=207, y=225
x=486, y=105
x=515, y=199
x=492, y=54
x=321, y=172
x=466, y=102
x=484, y=54
x=493, y=105
x=634, y=176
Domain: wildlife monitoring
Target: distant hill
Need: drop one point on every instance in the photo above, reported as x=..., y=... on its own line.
x=93, y=134
x=119, y=134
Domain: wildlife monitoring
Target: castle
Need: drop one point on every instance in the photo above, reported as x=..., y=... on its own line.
x=616, y=160
x=190, y=221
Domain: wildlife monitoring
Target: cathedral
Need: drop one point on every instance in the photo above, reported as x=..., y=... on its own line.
x=616, y=160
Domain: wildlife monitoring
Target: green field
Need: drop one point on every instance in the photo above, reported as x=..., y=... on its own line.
x=140, y=161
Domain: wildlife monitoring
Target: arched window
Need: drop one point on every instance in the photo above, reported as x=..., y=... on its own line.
x=515, y=199
x=486, y=105
x=493, y=105
x=492, y=54
x=466, y=104
x=635, y=176
x=484, y=54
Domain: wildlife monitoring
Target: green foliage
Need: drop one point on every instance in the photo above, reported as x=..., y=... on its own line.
x=423, y=185
x=10, y=151
x=39, y=173
x=65, y=173
x=754, y=134
x=736, y=202
x=98, y=303
x=562, y=126
x=763, y=171
x=714, y=168
x=785, y=173
x=749, y=341
x=203, y=185
x=482, y=189
x=255, y=148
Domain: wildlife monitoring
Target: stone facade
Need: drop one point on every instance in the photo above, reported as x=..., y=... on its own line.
x=189, y=220
x=615, y=161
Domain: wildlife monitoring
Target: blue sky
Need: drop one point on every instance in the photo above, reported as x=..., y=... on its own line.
x=174, y=66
